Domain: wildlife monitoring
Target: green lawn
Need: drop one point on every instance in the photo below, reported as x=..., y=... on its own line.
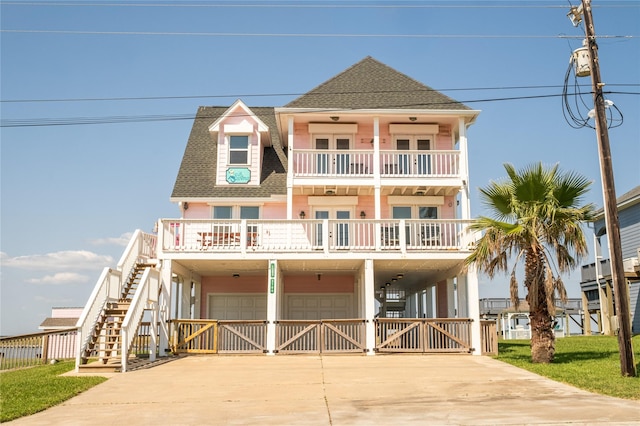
x=591, y=363
x=27, y=391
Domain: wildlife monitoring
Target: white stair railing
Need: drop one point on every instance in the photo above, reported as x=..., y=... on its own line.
x=146, y=297
x=107, y=290
x=109, y=287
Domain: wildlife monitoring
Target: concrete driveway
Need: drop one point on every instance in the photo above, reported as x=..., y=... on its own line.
x=335, y=390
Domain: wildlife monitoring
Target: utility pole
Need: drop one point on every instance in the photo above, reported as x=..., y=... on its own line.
x=621, y=293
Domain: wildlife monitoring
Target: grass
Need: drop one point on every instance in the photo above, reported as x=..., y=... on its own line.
x=28, y=391
x=591, y=363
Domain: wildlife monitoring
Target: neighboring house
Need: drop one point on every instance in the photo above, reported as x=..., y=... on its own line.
x=61, y=345
x=61, y=319
x=602, y=302
x=336, y=223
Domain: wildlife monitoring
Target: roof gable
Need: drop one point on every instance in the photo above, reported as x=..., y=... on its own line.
x=370, y=84
x=215, y=126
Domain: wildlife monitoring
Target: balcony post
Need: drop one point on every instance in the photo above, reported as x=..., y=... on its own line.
x=376, y=167
x=290, y=169
x=465, y=209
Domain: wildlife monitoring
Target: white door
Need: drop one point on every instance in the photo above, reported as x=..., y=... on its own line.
x=332, y=163
x=319, y=306
x=237, y=306
x=339, y=231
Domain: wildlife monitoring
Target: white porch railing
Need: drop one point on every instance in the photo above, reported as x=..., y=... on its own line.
x=354, y=163
x=300, y=235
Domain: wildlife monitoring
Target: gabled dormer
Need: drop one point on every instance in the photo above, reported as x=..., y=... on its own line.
x=241, y=137
x=232, y=152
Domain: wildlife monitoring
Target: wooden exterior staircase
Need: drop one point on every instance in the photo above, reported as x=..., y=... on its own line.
x=106, y=336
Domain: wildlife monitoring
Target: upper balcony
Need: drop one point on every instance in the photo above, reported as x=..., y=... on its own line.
x=408, y=168
x=314, y=236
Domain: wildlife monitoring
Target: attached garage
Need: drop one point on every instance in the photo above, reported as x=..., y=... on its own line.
x=237, y=306
x=319, y=306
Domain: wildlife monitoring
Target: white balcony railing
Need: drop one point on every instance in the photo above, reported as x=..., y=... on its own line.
x=300, y=235
x=353, y=163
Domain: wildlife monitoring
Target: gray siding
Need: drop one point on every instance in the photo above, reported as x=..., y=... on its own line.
x=629, y=219
x=634, y=302
x=630, y=231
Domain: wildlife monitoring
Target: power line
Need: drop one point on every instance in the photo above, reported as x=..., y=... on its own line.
x=45, y=122
x=309, y=35
x=297, y=4
x=262, y=95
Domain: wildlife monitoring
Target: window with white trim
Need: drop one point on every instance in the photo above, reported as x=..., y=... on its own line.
x=238, y=149
x=236, y=212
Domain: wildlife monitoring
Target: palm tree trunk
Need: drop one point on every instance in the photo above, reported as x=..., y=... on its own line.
x=543, y=339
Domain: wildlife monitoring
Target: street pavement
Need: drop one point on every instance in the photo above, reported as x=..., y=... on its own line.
x=336, y=390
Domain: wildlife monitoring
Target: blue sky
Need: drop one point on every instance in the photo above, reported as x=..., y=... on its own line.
x=71, y=194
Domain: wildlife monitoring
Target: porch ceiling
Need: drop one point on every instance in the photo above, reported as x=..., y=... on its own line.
x=416, y=272
x=343, y=189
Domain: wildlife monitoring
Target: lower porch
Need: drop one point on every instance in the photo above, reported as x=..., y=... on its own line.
x=276, y=306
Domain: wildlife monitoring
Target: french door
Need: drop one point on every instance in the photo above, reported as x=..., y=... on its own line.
x=422, y=162
x=332, y=163
x=338, y=230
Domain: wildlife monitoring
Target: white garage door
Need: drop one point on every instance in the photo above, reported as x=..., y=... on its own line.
x=237, y=306
x=319, y=306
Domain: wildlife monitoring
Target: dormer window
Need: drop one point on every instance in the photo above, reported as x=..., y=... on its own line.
x=239, y=149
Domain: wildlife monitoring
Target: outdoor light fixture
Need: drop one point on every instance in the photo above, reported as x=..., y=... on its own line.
x=302, y=214
x=412, y=118
x=334, y=118
x=362, y=214
x=387, y=284
x=185, y=205
x=400, y=276
x=236, y=275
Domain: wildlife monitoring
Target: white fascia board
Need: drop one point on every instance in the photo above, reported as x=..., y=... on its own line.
x=234, y=200
x=215, y=127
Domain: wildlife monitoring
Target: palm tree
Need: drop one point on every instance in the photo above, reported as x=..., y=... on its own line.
x=537, y=219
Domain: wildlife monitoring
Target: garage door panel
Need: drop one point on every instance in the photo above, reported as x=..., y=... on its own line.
x=237, y=307
x=319, y=306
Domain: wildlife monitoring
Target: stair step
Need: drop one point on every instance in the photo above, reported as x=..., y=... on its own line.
x=98, y=367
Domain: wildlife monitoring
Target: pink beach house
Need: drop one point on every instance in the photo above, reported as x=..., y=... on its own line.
x=336, y=223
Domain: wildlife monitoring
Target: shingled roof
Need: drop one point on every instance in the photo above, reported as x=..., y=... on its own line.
x=370, y=84
x=197, y=174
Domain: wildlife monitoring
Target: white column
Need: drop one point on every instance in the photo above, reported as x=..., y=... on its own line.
x=473, y=306
x=369, y=307
x=164, y=304
x=451, y=299
x=463, y=302
x=376, y=167
x=290, y=169
x=272, y=305
x=465, y=209
x=153, y=332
